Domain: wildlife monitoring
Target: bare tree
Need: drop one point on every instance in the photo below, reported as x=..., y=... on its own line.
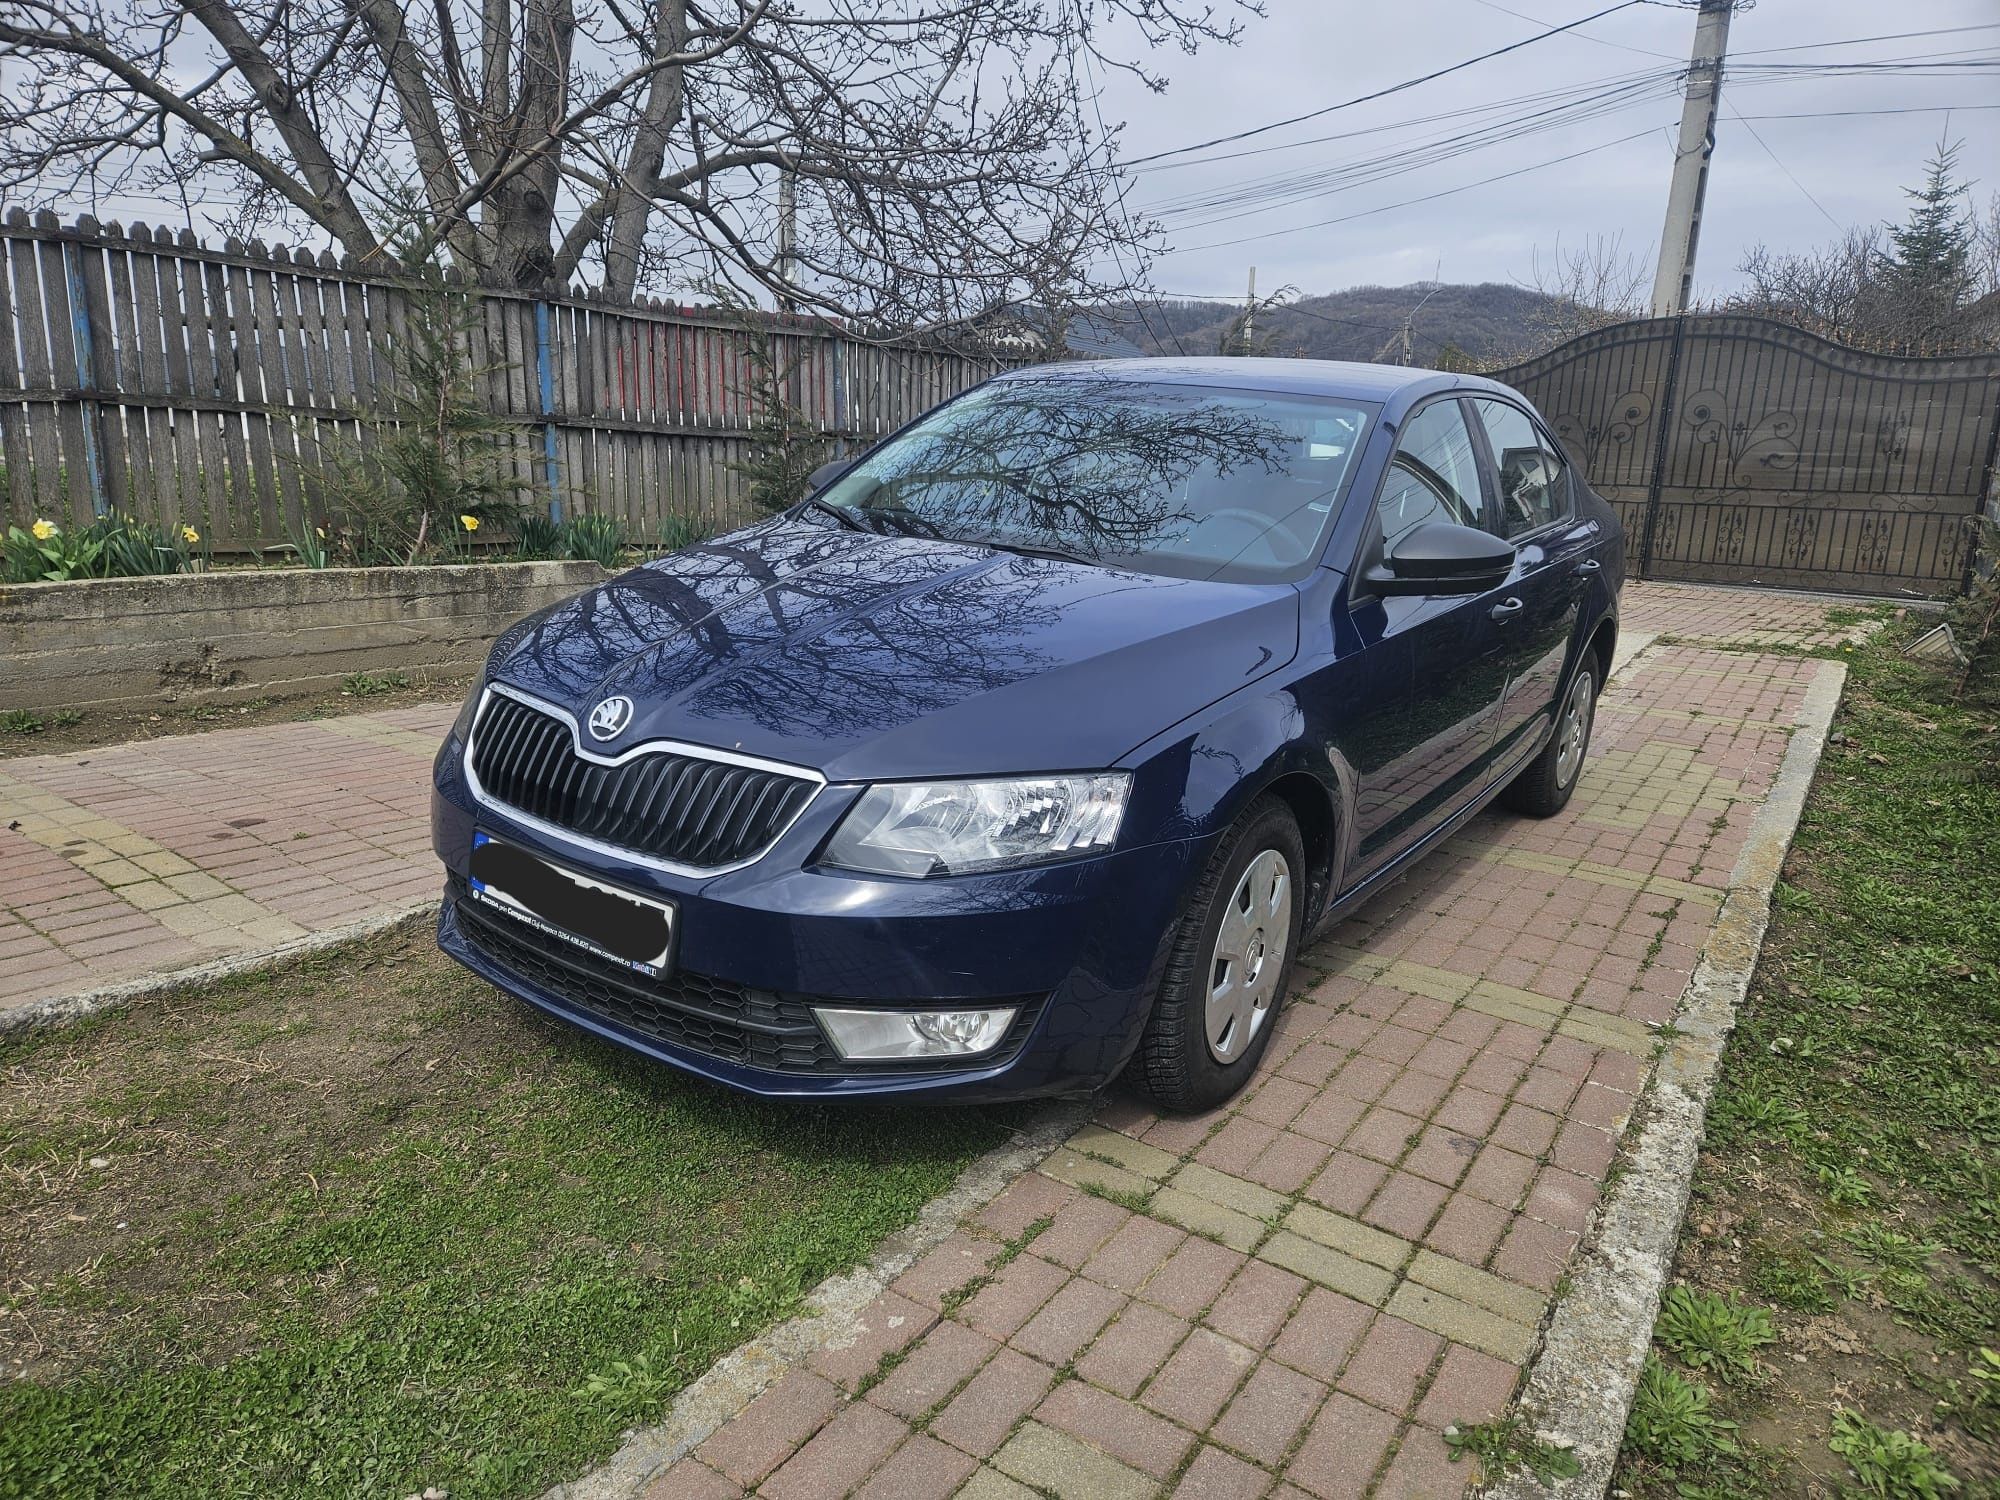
x=1831, y=291
x=1587, y=288
x=937, y=148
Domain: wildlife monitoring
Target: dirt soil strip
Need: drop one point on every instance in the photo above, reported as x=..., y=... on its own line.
x=1580, y=1387
x=59, y=1010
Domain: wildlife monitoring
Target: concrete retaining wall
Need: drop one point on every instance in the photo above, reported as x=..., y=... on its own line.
x=217, y=636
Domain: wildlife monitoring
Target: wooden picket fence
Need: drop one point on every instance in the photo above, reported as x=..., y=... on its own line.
x=143, y=372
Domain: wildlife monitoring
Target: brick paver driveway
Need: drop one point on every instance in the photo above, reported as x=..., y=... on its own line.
x=1297, y=1295
x=1293, y=1296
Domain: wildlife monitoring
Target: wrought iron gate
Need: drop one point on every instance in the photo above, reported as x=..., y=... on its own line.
x=1739, y=450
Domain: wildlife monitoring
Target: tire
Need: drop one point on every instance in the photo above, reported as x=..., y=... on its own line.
x=1543, y=789
x=1181, y=1062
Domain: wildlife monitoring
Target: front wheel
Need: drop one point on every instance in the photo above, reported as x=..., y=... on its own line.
x=1230, y=965
x=1543, y=789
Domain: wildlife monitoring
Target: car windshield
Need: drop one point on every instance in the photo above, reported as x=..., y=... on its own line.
x=1183, y=480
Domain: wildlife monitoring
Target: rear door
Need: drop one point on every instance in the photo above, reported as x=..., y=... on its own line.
x=1536, y=510
x=1436, y=741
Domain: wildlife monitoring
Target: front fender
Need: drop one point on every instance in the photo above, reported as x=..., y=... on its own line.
x=1195, y=780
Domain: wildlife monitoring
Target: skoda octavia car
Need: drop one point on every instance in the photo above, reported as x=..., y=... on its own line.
x=1033, y=745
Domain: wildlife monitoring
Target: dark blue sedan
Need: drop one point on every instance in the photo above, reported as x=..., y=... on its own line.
x=1033, y=746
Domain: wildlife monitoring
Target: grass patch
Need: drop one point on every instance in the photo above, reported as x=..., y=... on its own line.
x=1506, y=1447
x=374, y=684
x=361, y=1225
x=1851, y=1174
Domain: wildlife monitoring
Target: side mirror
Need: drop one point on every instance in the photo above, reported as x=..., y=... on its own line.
x=1442, y=558
x=827, y=472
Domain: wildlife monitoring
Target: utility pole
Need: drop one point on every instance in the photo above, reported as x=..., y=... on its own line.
x=788, y=211
x=1675, y=278
x=1250, y=313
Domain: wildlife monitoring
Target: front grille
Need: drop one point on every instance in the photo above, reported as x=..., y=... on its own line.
x=695, y=812
x=757, y=1028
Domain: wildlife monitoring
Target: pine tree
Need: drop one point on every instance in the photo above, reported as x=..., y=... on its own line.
x=1929, y=269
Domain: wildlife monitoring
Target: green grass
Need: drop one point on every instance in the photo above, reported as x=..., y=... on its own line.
x=1851, y=1175
x=373, y=684
x=365, y=1226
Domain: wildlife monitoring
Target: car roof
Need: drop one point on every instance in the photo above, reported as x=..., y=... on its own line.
x=1316, y=377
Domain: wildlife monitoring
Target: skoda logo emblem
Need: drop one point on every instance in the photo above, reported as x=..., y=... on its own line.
x=609, y=718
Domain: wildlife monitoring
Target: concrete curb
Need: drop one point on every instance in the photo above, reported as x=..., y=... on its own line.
x=833, y=1318
x=58, y=1010
x=1580, y=1386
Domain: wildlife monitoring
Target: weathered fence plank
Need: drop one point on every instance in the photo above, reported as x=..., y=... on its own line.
x=220, y=385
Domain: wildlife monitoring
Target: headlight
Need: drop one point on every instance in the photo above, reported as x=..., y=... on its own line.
x=957, y=827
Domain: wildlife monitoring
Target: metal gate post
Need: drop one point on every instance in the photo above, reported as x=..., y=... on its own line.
x=1658, y=476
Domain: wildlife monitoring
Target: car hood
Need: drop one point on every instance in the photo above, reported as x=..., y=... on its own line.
x=872, y=656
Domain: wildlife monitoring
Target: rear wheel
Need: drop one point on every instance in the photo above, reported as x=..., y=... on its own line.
x=1543, y=789
x=1231, y=962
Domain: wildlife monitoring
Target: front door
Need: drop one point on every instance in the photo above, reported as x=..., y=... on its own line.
x=1453, y=648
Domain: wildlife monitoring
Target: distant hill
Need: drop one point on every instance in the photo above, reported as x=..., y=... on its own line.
x=1491, y=323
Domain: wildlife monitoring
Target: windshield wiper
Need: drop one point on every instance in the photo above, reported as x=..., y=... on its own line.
x=840, y=514
x=1054, y=554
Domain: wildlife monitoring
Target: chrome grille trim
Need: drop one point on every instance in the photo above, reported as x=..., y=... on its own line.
x=586, y=774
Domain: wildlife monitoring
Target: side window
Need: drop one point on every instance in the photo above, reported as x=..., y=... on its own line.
x=1534, y=482
x=1432, y=476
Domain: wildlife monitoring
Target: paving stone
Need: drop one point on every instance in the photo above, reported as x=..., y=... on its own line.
x=1119, y=1428
x=1349, y=1236
x=1343, y=1449
x=888, y=1324
x=1462, y=1322
x=1468, y=1389
x=1202, y=1216
x=1068, y=1321
x=1268, y=1412
x=1322, y=1334
x=1347, y=1183
x=1200, y=1378
x=771, y=1428
x=1329, y=1267
x=922, y=1469
x=1193, y=1277
x=1057, y=1464
x=1478, y=1287
x=939, y=1365
x=1078, y=1229
x=1250, y=1199
x=1122, y=1150
x=838, y=1457
x=1025, y=1201
x=1405, y=1205
x=1014, y=1295
x=1003, y=1392
x=949, y=1266
x=1391, y=1363
x=1215, y=1475
x=1130, y=1256
x=1255, y=1305
x=1423, y=1470
x=989, y=1484
x=1078, y=1170
x=1128, y=1352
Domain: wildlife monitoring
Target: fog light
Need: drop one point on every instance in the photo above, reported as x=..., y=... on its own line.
x=876, y=1035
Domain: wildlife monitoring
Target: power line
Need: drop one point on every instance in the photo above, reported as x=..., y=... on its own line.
x=1395, y=88
x=1426, y=198
x=1838, y=226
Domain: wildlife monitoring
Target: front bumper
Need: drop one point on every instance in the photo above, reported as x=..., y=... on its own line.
x=1077, y=947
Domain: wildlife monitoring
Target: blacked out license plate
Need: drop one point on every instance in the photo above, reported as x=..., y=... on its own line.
x=615, y=924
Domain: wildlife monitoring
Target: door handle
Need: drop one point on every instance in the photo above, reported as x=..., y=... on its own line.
x=1505, y=610
x=1589, y=565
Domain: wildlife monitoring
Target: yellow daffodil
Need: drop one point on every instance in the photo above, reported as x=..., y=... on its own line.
x=45, y=529
x=470, y=523
x=190, y=535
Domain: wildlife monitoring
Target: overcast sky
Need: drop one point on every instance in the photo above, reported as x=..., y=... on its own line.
x=1307, y=54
